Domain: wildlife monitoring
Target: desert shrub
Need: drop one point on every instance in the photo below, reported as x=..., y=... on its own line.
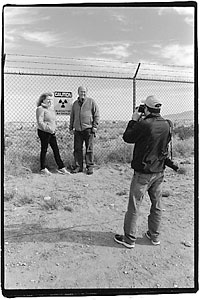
x=23, y=200
x=7, y=143
x=51, y=204
x=8, y=196
x=183, y=148
x=18, y=162
x=24, y=155
x=16, y=198
x=184, y=132
x=12, y=163
x=121, y=153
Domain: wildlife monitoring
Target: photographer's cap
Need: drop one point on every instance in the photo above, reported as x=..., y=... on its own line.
x=152, y=102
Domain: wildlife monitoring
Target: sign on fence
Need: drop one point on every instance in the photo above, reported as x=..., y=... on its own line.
x=63, y=103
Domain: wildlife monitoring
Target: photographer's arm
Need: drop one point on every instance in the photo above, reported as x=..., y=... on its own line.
x=134, y=131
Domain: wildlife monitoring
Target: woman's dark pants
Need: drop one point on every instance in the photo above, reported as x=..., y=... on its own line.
x=46, y=139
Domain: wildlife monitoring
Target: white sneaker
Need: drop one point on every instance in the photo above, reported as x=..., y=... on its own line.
x=45, y=172
x=63, y=171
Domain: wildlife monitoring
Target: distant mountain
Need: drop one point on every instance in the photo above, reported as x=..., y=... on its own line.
x=186, y=115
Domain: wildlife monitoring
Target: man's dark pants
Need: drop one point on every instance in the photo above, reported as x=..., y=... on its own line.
x=79, y=138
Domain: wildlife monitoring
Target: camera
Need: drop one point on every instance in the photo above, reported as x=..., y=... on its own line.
x=141, y=108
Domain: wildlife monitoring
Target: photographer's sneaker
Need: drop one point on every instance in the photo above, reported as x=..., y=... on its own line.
x=63, y=171
x=120, y=239
x=45, y=172
x=154, y=240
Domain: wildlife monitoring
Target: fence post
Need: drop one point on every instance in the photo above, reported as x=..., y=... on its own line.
x=134, y=93
x=4, y=59
x=134, y=86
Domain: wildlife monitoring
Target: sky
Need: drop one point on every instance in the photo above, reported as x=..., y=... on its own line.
x=112, y=40
x=162, y=35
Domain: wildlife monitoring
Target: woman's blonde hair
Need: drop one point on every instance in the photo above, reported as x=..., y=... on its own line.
x=43, y=97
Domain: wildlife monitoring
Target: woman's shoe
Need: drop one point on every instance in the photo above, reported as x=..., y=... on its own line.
x=45, y=172
x=63, y=171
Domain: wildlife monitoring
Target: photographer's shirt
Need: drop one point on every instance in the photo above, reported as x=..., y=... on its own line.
x=151, y=136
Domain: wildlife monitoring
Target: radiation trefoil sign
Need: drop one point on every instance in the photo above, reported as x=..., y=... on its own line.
x=63, y=103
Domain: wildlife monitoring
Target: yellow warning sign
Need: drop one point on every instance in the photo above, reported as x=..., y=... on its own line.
x=63, y=103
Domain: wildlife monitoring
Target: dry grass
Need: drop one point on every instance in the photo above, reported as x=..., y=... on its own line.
x=22, y=155
x=183, y=148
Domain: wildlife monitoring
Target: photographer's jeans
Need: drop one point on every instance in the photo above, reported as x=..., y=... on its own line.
x=79, y=138
x=140, y=184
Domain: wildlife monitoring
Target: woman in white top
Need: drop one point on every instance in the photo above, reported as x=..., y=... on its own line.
x=46, y=124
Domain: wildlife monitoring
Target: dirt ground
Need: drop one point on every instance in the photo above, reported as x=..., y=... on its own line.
x=59, y=232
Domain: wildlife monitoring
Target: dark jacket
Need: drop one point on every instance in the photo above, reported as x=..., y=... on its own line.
x=151, y=136
x=84, y=115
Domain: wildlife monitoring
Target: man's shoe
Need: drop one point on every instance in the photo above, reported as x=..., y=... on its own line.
x=155, y=241
x=120, y=239
x=77, y=170
x=89, y=172
x=63, y=171
x=45, y=171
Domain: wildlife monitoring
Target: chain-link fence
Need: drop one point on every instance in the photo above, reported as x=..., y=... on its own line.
x=116, y=96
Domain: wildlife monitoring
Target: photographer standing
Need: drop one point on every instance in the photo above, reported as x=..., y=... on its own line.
x=151, y=134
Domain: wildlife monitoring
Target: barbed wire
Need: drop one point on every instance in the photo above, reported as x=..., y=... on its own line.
x=79, y=75
x=82, y=72
x=91, y=65
x=51, y=69
x=64, y=64
x=71, y=58
x=96, y=59
x=164, y=72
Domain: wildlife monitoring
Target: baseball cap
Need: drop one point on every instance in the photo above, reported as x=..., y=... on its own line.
x=152, y=102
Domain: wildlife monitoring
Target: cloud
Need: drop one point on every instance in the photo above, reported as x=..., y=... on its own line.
x=19, y=16
x=15, y=20
x=188, y=12
x=178, y=55
x=10, y=36
x=119, y=51
x=46, y=38
x=184, y=10
x=11, y=39
x=107, y=48
x=119, y=18
x=78, y=43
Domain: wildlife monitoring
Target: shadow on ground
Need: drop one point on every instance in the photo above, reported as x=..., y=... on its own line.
x=20, y=233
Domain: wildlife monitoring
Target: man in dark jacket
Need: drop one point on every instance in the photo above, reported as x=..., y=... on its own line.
x=151, y=135
x=84, y=119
